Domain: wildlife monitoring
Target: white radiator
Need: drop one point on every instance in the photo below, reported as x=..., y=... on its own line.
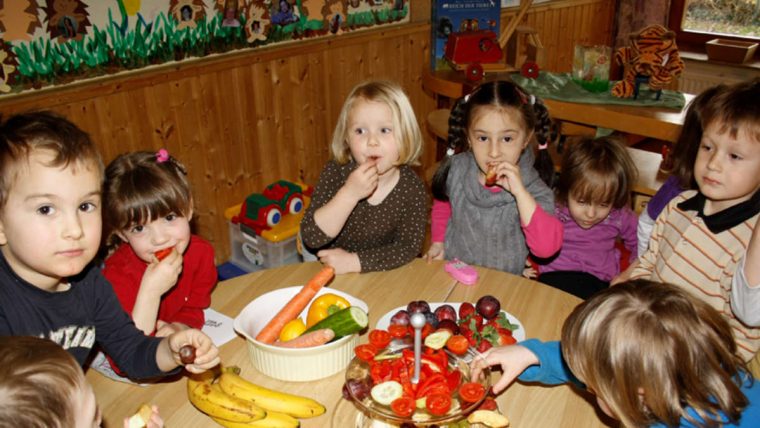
x=700, y=75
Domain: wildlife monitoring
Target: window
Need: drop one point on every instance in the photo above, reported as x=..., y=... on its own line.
x=697, y=21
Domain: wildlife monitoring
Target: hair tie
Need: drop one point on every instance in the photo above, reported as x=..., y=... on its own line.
x=467, y=97
x=532, y=99
x=162, y=155
x=450, y=152
x=543, y=146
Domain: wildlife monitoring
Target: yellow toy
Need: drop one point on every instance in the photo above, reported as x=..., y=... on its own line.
x=652, y=57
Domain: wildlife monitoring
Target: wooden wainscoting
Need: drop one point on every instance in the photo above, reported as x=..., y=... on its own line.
x=242, y=120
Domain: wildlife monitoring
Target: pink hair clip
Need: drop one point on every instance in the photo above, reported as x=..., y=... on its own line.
x=162, y=156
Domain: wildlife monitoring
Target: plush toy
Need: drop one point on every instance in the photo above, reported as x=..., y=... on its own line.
x=653, y=54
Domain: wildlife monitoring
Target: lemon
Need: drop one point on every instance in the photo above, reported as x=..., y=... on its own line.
x=292, y=329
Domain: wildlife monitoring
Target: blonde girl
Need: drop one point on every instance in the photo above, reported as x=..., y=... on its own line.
x=593, y=205
x=369, y=208
x=162, y=273
x=493, y=128
x=653, y=354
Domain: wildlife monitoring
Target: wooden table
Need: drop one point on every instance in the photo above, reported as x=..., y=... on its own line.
x=662, y=124
x=541, y=309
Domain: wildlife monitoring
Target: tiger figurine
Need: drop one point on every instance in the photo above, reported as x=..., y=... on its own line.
x=653, y=53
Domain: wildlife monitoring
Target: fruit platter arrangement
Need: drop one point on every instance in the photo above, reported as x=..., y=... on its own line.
x=380, y=379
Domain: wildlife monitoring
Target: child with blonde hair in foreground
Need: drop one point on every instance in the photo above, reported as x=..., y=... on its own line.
x=43, y=387
x=653, y=355
x=369, y=208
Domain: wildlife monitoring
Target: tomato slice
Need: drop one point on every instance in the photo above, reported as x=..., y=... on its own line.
x=381, y=372
x=438, y=404
x=379, y=338
x=161, y=254
x=458, y=344
x=403, y=406
x=471, y=392
x=398, y=331
x=365, y=352
x=453, y=379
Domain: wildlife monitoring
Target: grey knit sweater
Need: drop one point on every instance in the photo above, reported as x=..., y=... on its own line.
x=484, y=228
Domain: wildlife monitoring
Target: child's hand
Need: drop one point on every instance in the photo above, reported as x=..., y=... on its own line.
x=509, y=178
x=206, y=354
x=160, y=276
x=165, y=329
x=363, y=181
x=340, y=260
x=435, y=252
x=529, y=272
x=154, y=422
x=513, y=359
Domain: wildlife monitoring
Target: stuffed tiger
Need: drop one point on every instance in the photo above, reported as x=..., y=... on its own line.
x=653, y=53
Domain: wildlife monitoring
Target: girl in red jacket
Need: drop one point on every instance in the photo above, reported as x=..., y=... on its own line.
x=162, y=274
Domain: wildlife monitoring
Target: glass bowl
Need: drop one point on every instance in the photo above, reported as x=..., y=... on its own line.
x=359, y=371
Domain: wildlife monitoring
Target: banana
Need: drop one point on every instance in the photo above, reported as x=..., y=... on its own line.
x=272, y=420
x=210, y=399
x=294, y=405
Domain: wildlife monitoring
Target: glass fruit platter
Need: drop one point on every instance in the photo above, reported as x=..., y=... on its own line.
x=383, y=400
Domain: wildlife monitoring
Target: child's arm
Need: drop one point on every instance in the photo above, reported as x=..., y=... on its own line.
x=645, y=263
x=543, y=234
x=159, y=277
x=745, y=285
x=439, y=220
x=628, y=228
x=360, y=184
x=644, y=231
x=206, y=354
x=509, y=178
x=200, y=276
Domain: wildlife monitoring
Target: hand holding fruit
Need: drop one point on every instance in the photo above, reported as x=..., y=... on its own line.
x=513, y=359
x=162, y=274
x=146, y=417
x=206, y=354
x=363, y=181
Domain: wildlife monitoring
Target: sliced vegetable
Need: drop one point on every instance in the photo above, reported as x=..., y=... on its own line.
x=308, y=340
x=398, y=331
x=290, y=311
x=161, y=254
x=379, y=338
x=365, y=352
x=458, y=344
x=471, y=392
x=403, y=406
x=437, y=339
x=344, y=322
x=384, y=393
x=438, y=404
x=324, y=306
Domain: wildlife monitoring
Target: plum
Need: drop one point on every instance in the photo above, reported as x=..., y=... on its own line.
x=446, y=312
x=449, y=325
x=431, y=319
x=418, y=306
x=400, y=318
x=465, y=309
x=354, y=388
x=488, y=306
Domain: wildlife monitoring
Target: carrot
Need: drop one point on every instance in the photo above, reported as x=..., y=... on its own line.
x=290, y=311
x=307, y=340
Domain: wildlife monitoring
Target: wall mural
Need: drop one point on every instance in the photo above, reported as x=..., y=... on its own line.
x=58, y=41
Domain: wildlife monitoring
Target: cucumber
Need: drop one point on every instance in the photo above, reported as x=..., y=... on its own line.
x=437, y=339
x=384, y=393
x=344, y=322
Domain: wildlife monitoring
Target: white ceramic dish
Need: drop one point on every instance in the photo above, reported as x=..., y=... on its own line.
x=385, y=320
x=290, y=364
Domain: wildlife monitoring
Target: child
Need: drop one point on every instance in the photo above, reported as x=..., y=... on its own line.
x=682, y=171
x=369, y=207
x=653, y=354
x=494, y=226
x=147, y=208
x=50, y=227
x=593, y=195
x=43, y=386
x=700, y=237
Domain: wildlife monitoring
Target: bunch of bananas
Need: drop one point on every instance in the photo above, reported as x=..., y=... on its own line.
x=234, y=402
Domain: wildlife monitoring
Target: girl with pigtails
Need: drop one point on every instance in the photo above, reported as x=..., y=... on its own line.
x=495, y=222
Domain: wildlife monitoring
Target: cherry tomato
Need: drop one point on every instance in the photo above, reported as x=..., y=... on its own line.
x=438, y=404
x=365, y=352
x=379, y=338
x=471, y=392
x=403, y=406
x=161, y=254
x=458, y=344
x=398, y=331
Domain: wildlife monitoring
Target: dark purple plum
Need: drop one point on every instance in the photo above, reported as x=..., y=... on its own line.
x=418, y=306
x=400, y=318
x=449, y=325
x=488, y=306
x=359, y=389
x=431, y=319
x=446, y=312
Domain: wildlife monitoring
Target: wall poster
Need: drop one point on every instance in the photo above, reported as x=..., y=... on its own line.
x=47, y=42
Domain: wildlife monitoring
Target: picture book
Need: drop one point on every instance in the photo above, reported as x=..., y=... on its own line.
x=455, y=16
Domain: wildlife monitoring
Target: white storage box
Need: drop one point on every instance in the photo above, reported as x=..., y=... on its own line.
x=252, y=252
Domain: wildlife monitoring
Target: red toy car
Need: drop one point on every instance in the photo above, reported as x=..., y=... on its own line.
x=470, y=49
